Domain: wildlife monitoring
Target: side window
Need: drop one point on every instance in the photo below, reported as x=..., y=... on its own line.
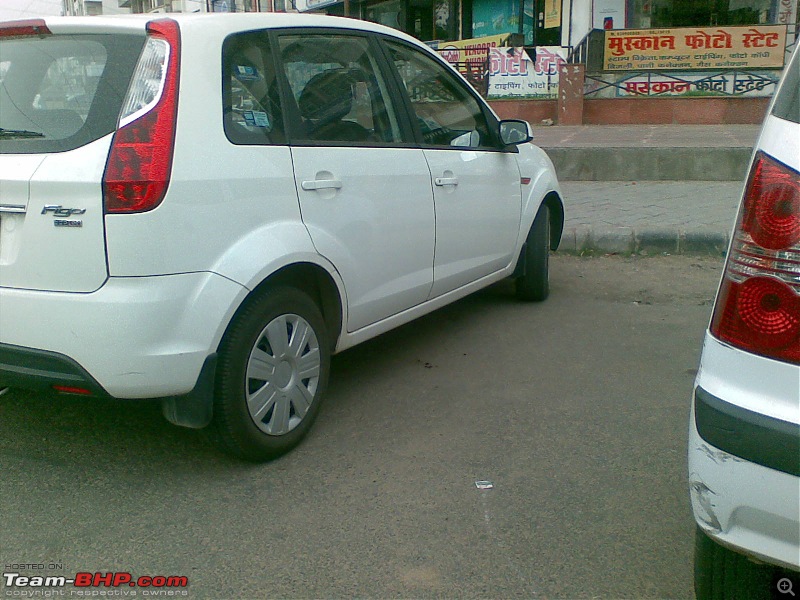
x=340, y=93
x=251, y=100
x=447, y=113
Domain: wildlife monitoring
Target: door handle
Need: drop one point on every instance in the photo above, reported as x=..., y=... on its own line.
x=321, y=184
x=446, y=181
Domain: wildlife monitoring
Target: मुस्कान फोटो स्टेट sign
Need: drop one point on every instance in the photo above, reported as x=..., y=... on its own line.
x=748, y=47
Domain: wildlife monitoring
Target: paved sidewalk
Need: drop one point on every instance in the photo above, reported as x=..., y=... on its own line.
x=648, y=152
x=649, y=217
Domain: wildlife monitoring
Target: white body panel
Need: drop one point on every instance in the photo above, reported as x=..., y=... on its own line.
x=141, y=337
x=378, y=228
x=756, y=508
x=73, y=258
x=748, y=507
x=478, y=205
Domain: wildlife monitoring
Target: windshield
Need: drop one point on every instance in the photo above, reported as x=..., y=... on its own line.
x=60, y=92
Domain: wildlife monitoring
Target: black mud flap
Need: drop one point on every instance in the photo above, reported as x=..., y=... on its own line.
x=196, y=408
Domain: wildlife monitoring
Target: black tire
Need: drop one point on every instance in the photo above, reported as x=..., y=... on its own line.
x=271, y=319
x=534, y=283
x=722, y=574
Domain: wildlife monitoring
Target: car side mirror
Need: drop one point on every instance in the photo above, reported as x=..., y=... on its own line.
x=514, y=132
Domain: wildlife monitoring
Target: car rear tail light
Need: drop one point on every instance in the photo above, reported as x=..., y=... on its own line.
x=758, y=305
x=140, y=161
x=24, y=28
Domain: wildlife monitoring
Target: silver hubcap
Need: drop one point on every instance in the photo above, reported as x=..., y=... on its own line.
x=282, y=374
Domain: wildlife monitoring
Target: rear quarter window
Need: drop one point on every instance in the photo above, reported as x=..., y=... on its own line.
x=787, y=104
x=251, y=101
x=61, y=92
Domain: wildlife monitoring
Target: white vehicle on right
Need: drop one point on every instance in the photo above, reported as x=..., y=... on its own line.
x=744, y=434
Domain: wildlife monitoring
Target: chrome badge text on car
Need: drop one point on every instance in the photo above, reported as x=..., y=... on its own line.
x=59, y=211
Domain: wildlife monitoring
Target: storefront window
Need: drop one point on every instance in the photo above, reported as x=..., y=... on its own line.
x=493, y=17
x=389, y=13
x=706, y=13
x=445, y=20
x=420, y=19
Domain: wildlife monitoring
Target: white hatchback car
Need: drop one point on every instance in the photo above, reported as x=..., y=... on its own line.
x=744, y=437
x=203, y=208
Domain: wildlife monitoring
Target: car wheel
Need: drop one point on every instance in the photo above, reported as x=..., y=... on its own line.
x=722, y=574
x=273, y=368
x=534, y=284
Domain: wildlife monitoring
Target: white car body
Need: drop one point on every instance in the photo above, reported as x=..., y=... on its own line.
x=745, y=425
x=139, y=302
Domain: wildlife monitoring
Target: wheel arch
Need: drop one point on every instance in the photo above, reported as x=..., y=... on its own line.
x=313, y=280
x=556, y=206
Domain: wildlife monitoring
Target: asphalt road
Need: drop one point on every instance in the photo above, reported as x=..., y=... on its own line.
x=575, y=410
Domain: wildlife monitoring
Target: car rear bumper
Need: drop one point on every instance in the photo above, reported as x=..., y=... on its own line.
x=145, y=337
x=744, y=462
x=42, y=371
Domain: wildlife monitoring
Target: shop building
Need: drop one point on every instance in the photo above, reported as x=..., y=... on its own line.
x=550, y=22
x=639, y=61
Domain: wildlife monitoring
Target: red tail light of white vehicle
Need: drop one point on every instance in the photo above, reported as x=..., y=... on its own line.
x=758, y=307
x=139, y=164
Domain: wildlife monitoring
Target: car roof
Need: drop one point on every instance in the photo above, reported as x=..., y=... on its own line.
x=218, y=23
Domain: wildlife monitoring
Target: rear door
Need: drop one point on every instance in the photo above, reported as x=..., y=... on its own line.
x=365, y=192
x=60, y=97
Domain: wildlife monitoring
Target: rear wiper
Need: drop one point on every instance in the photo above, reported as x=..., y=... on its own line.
x=19, y=133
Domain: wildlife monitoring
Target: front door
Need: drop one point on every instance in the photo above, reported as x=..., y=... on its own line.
x=476, y=186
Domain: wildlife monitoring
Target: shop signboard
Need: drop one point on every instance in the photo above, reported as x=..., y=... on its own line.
x=787, y=11
x=512, y=73
x=472, y=50
x=608, y=14
x=724, y=83
x=552, y=14
x=491, y=17
x=748, y=47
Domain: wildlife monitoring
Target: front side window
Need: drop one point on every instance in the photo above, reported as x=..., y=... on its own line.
x=447, y=113
x=251, y=98
x=340, y=93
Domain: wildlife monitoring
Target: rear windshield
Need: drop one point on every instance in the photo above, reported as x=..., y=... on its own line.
x=787, y=104
x=59, y=92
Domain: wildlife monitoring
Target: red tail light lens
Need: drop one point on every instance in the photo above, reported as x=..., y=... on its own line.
x=758, y=305
x=140, y=161
x=772, y=206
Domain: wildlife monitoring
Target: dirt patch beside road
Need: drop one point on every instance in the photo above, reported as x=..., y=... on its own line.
x=643, y=280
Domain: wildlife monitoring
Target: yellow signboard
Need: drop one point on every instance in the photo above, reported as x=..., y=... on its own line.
x=552, y=14
x=472, y=50
x=757, y=46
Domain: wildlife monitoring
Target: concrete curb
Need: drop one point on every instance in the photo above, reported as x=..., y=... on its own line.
x=650, y=164
x=627, y=240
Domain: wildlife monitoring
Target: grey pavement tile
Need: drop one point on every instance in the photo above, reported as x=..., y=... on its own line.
x=649, y=217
